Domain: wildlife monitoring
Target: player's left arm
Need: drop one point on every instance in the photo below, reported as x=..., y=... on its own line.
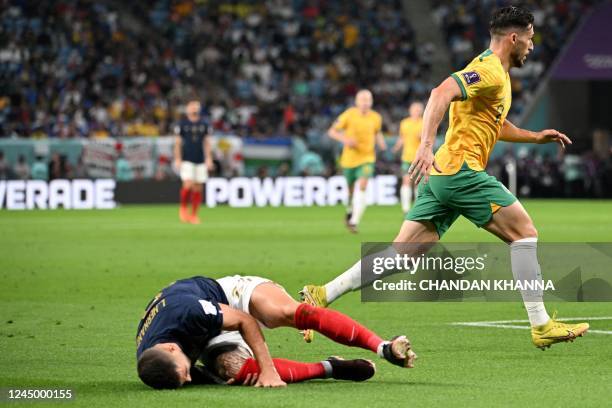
x=514, y=134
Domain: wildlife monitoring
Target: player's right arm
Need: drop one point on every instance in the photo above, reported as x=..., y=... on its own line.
x=439, y=101
x=237, y=320
x=336, y=131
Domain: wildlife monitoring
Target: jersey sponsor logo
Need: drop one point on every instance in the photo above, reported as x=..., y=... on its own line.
x=471, y=77
x=208, y=307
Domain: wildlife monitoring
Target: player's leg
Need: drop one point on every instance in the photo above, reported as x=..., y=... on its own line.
x=187, y=176
x=291, y=371
x=406, y=189
x=364, y=172
x=271, y=305
x=196, y=198
x=425, y=223
x=230, y=358
x=513, y=225
x=487, y=203
x=350, y=174
x=200, y=176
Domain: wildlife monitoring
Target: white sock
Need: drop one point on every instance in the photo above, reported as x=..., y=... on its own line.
x=328, y=368
x=525, y=266
x=345, y=282
x=405, y=197
x=351, y=278
x=537, y=313
x=359, y=205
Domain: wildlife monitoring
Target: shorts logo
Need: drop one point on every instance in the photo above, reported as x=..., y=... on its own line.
x=471, y=77
x=208, y=307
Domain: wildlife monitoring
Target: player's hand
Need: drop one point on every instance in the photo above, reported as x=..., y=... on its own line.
x=349, y=142
x=210, y=165
x=177, y=164
x=552, y=135
x=270, y=378
x=382, y=146
x=250, y=380
x=422, y=164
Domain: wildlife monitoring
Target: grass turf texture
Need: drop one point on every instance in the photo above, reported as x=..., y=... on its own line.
x=74, y=285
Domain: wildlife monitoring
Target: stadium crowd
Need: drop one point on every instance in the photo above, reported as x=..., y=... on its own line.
x=74, y=68
x=77, y=69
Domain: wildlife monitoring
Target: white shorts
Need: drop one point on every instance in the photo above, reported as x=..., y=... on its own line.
x=190, y=171
x=238, y=290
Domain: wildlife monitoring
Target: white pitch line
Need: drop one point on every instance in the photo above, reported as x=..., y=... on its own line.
x=502, y=324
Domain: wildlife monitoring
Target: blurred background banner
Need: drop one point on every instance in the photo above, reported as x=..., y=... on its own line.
x=589, y=55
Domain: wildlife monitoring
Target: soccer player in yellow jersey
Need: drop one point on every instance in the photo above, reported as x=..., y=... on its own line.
x=455, y=183
x=359, y=129
x=410, y=138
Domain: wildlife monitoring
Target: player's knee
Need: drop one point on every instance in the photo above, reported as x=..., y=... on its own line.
x=287, y=315
x=530, y=231
x=362, y=183
x=527, y=230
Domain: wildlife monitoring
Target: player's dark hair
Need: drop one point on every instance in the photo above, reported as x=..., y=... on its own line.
x=510, y=17
x=158, y=370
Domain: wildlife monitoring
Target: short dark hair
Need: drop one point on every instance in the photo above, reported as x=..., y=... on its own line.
x=158, y=370
x=510, y=17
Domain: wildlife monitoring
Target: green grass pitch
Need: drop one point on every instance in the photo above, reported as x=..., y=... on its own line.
x=74, y=285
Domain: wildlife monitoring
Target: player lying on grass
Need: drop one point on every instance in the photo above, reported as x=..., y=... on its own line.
x=479, y=98
x=181, y=320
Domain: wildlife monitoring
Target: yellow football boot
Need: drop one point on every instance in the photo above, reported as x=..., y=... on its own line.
x=556, y=332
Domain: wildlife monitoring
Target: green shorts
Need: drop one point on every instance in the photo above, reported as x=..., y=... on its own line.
x=405, y=166
x=353, y=173
x=473, y=194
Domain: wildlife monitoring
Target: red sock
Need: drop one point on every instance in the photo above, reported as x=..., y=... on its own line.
x=196, y=199
x=338, y=327
x=289, y=371
x=185, y=192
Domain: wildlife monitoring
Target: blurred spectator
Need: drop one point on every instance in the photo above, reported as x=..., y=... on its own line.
x=4, y=167
x=22, y=168
x=80, y=170
x=164, y=168
x=59, y=168
x=123, y=169
x=40, y=170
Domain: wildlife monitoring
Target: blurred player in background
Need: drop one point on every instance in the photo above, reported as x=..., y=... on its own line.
x=410, y=138
x=193, y=159
x=478, y=99
x=359, y=129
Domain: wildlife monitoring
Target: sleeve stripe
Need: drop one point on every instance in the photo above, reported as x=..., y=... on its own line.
x=463, y=91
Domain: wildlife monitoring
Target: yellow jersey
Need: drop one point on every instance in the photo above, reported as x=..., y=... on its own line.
x=475, y=122
x=363, y=130
x=410, y=132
